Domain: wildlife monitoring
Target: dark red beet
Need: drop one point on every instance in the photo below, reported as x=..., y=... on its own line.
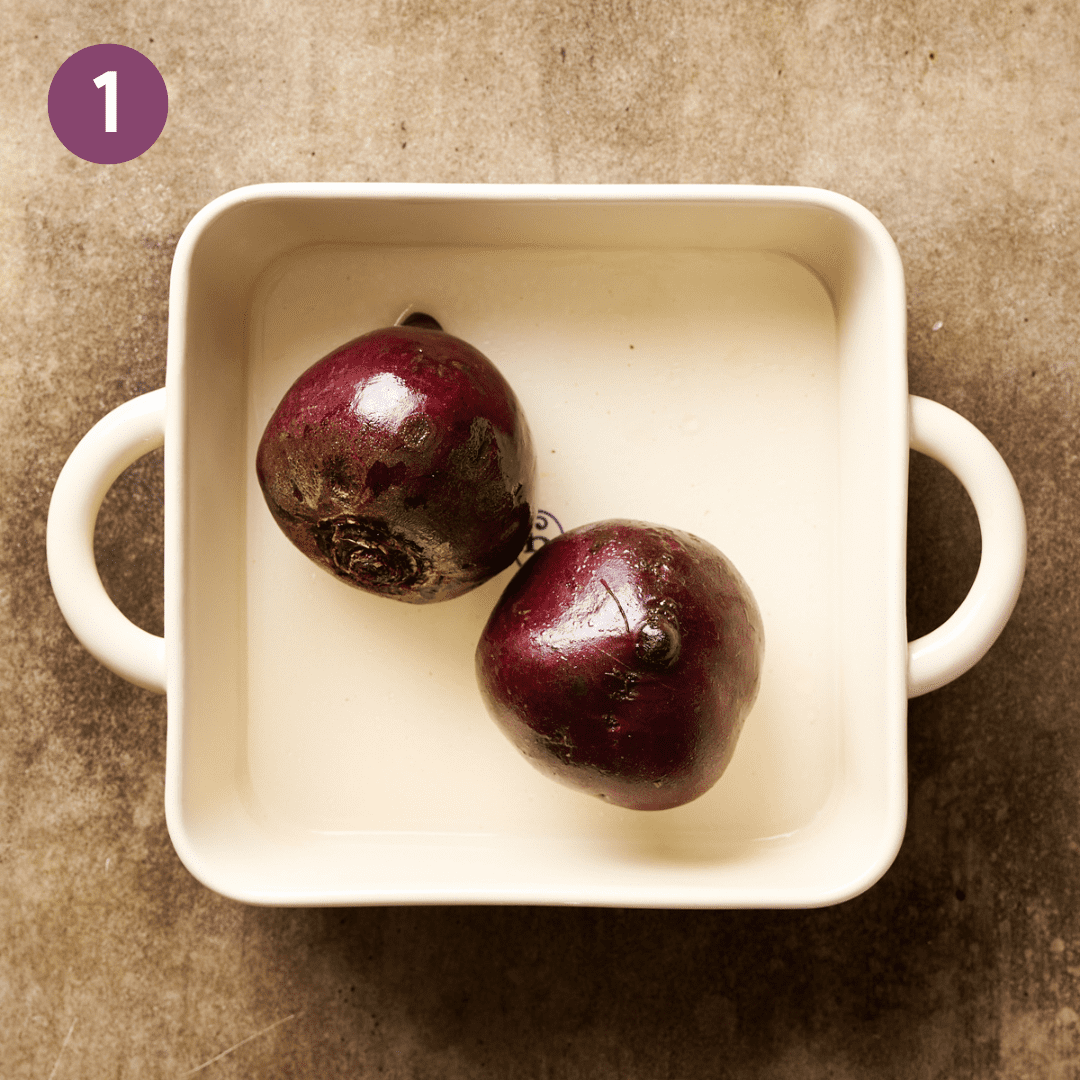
x=402, y=464
x=622, y=660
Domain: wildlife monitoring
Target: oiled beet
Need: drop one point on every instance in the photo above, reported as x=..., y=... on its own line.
x=402, y=464
x=622, y=660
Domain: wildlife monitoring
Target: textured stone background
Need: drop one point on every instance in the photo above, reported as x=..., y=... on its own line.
x=958, y=125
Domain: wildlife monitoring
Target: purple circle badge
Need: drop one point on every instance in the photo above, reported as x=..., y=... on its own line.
x=108, y=104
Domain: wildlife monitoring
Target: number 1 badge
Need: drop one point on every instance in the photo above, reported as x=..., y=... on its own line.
x=108, y=104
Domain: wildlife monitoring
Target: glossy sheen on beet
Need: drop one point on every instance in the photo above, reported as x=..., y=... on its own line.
x=402, y=464
x=622, y=660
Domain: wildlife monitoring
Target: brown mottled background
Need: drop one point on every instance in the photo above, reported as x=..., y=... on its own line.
x=958, y=124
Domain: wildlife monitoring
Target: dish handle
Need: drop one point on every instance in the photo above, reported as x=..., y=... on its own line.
x=105, y=451
x=964, y=638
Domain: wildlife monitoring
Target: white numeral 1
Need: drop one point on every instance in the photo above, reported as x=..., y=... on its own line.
x=108, y=80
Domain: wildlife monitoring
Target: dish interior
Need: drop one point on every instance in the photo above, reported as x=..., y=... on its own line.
x=701, y=386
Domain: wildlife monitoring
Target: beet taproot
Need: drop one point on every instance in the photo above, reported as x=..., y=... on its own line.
x=622, y=660
x=402, y=464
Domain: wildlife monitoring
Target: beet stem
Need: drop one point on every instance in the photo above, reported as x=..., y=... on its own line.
x=421, y=320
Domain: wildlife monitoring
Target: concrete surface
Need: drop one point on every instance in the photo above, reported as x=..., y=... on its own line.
x=959, y=125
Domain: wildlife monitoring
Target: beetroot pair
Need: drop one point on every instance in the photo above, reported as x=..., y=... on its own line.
x=621, y=660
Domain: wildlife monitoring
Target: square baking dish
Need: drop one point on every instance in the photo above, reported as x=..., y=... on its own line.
x=726, y=360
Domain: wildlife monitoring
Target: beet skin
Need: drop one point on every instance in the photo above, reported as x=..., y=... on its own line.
x=402, y=464
x=622, y=660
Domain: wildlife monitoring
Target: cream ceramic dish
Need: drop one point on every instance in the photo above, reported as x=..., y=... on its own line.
x=725, y=360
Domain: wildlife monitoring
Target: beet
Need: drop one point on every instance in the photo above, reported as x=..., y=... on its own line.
x=402, y=464
x=622, y=660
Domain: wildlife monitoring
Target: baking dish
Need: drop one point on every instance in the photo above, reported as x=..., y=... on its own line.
x=729, y=360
